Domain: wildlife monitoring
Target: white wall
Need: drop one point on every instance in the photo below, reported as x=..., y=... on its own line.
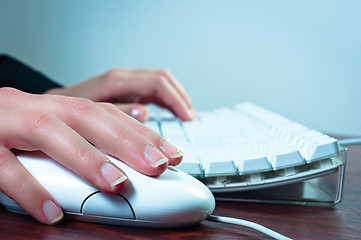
x=299, y=58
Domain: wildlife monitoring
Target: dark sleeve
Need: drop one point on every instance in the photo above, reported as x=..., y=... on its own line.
x=15, y=74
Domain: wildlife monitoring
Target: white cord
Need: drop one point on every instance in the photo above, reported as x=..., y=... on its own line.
x=349, y=141
x=249, y=224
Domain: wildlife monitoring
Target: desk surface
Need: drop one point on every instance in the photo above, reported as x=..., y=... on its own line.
x=297, y=222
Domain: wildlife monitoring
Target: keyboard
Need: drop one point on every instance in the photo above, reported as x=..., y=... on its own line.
x=247, y=147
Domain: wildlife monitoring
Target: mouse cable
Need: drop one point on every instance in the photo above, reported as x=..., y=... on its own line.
x=349, y=141
x=249, y=224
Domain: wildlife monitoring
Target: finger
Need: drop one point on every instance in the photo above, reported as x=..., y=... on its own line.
x=110, y=134
x=103, y=130
x=150, y=85
x=171, y=97
x=137, y=111
x=160, y=91
x=176, y=84
x=46, y=132
x=18, y=184
x=171, y=152
x=176, y=90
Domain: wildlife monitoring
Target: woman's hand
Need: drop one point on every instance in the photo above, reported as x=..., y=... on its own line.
x=71, y=131
x=130, y=89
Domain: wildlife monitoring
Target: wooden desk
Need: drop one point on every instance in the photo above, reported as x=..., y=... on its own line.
x=297, y=222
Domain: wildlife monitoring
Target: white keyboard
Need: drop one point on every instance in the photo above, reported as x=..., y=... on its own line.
x=247, y=147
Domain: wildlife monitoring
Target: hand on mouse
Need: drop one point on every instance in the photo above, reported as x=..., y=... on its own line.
x=130, y=89
x=71, y=130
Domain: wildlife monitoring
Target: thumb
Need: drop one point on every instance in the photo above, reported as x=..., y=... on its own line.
x=137, y=111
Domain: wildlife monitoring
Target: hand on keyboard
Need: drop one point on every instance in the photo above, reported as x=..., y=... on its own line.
x=129, y=89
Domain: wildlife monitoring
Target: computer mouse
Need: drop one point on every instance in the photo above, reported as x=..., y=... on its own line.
x=173, y=199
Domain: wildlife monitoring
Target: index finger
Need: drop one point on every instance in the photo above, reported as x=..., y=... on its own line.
x=177, y=91
x=153, y=86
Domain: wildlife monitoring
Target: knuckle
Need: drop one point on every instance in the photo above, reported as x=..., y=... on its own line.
x=109, y=107
x=163, y=72
x=162, y=76
x=78, y=106
x=121, y=135
x=161, y=80
x=152, y=135
x=127, y=138
x=144, y=130
x=114, y=73
x=5, y=158
x=8, y=91
x=26, y=185
x=38, y=120
x=82, y=152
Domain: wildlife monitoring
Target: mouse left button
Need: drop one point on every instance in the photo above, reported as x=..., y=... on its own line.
x=107, y=205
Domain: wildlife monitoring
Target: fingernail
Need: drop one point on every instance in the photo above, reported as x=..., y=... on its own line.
x=154, y=156
x=112, y=174
x=137, y=113
x=194, y=113
x=191, y=114
x=170, y=150
x=52, y=211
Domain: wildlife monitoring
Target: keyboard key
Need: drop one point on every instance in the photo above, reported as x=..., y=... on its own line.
x=284, y=157
x=262, y=115
x=287, y=131
x=252, y=162
x=279, y=153
x=216, y=162
x=172, y=129
x=191, y=163
x=316, y=149
x=219, y=166
x=159, y=114
x=192, y=130
x=246, y=157
x=314, y=145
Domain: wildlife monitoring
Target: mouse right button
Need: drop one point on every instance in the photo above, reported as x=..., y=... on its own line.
x=107, y=205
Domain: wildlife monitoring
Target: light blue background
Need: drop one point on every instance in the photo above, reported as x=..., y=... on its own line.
x=299, y=58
